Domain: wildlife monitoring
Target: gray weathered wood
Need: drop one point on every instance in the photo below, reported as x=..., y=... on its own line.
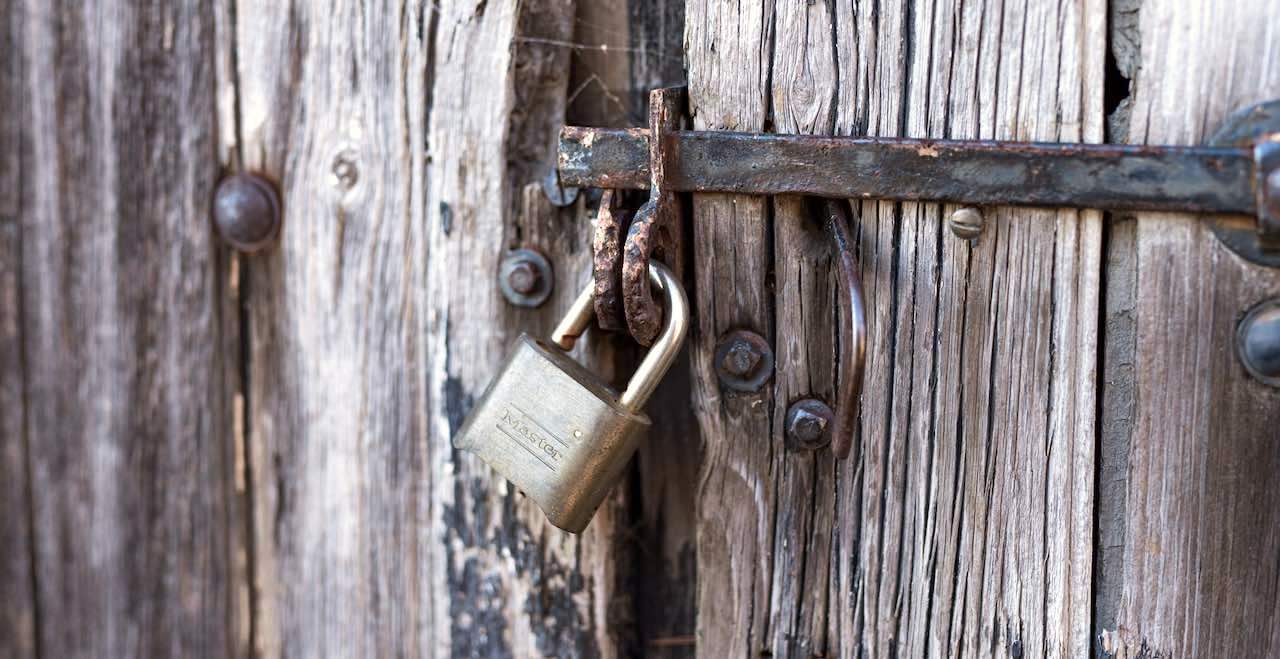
x=127, y=408
x=329, y=101
x=1200, y=517
x=17, y=596
x=975, y=499
x=377, y=320
x=209, y=454
x=963, y=524
x=516, y=585
x=623, y=49
x=803, y=93
x=726, y=49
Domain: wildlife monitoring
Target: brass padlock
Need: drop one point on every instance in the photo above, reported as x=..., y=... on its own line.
x=557, y=431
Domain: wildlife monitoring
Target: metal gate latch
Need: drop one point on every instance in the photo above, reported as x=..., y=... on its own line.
x=1234, y=183
x=1235, y=179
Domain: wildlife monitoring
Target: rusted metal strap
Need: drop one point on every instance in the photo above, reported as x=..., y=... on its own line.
x=1205, y=179
x=606, y=260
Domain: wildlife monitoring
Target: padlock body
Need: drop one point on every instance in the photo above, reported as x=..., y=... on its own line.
x=554, y=430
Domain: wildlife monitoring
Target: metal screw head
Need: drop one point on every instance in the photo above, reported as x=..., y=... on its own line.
x=740, y=360
x=559, y=195
x=525, y=278
x=966, y=223
x=246, y=212
x=807, y=423
x=1272, y=195
x=744, y=361
x=1258, y=342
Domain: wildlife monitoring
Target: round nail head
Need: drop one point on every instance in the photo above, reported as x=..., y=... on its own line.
x=967, y=223
x=246, y=212
x=525, y=278
x=743, y=361
x=1273, y=192
x=1258, y=342
x=807, y=423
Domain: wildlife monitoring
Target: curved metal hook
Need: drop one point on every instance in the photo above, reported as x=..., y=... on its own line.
x=852, y=331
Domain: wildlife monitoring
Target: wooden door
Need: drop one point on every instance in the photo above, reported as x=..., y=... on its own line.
x=208, y=453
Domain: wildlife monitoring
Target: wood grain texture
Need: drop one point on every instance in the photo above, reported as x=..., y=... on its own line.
x=963, y=525
x=17, y=592
x=127, y=408
x=17, y=597
x=726, y=50
x=977, y=440
x=622, y=50
x=511, y=584
x=207, y=454
x=803, y=92
x=329, y=103
x=1201, y=516
x=377, y=320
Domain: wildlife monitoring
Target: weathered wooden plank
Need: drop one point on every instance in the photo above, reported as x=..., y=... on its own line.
x=1116, y=367
x=127, y=405
x=973, y=512
x=623, y=49
x=1199, y=521
x=235, y=344
x=17, y=592
x=516, y=585
x=330, y=103
x=727, y=50
x=804, y=88
x=18, y=610
x=964, y=522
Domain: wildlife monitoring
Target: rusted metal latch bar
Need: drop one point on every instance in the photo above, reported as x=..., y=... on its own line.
x=1239, y=173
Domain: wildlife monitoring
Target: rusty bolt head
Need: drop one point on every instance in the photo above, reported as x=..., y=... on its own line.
x=744, y=361
x=246, y=212
x=966, y=223
x=740, y=360
x=1258, y=342
x=1273, y=192
x=807, y=423
x=525, y=278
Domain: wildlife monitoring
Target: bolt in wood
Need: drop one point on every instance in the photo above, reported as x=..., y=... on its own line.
x=808, y=421
x=967, y=223
x=744, y=361
x=1258, y=342
x=246, y=212
x=525, y=278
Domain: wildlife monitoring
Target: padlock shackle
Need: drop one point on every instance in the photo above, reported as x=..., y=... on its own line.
x=664, y=349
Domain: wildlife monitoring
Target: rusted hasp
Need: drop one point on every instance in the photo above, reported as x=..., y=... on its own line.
x=1240, y=174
